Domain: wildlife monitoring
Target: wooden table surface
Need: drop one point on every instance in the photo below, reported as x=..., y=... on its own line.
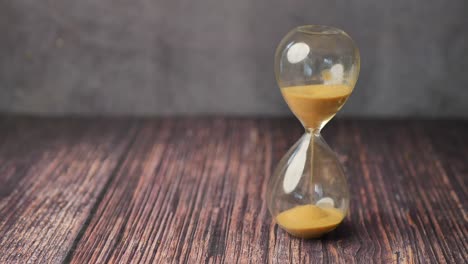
x=192, y=190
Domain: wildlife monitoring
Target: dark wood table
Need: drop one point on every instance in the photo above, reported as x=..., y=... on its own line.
x=192, y=190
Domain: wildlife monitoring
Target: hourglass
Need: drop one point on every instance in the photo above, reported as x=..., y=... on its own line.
x=316, y=69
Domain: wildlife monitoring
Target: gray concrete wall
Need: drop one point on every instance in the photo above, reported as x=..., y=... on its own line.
x=146, y=57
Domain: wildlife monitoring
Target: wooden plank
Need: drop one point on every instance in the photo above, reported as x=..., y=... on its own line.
x=192, y=190
x=52, y=172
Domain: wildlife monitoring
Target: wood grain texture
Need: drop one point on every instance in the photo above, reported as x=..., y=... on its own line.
x=51, y=173
x=191, y=190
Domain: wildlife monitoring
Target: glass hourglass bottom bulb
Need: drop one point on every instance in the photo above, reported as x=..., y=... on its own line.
x=308, y=193
x=309, y=221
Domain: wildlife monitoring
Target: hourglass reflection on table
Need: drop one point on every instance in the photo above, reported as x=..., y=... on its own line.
x=316, y=69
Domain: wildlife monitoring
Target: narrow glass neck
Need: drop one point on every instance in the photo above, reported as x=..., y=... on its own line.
x=313, y=131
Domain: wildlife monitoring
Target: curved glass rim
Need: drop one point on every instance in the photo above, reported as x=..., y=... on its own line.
x=320, y=30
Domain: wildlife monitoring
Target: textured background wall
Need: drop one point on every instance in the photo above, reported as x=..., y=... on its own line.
x=216, y=56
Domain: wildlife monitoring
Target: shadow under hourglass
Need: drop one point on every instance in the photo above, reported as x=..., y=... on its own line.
x=343, y=231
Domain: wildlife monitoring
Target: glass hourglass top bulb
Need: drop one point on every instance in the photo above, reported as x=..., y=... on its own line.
x=316, y=104
x=316, y=68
